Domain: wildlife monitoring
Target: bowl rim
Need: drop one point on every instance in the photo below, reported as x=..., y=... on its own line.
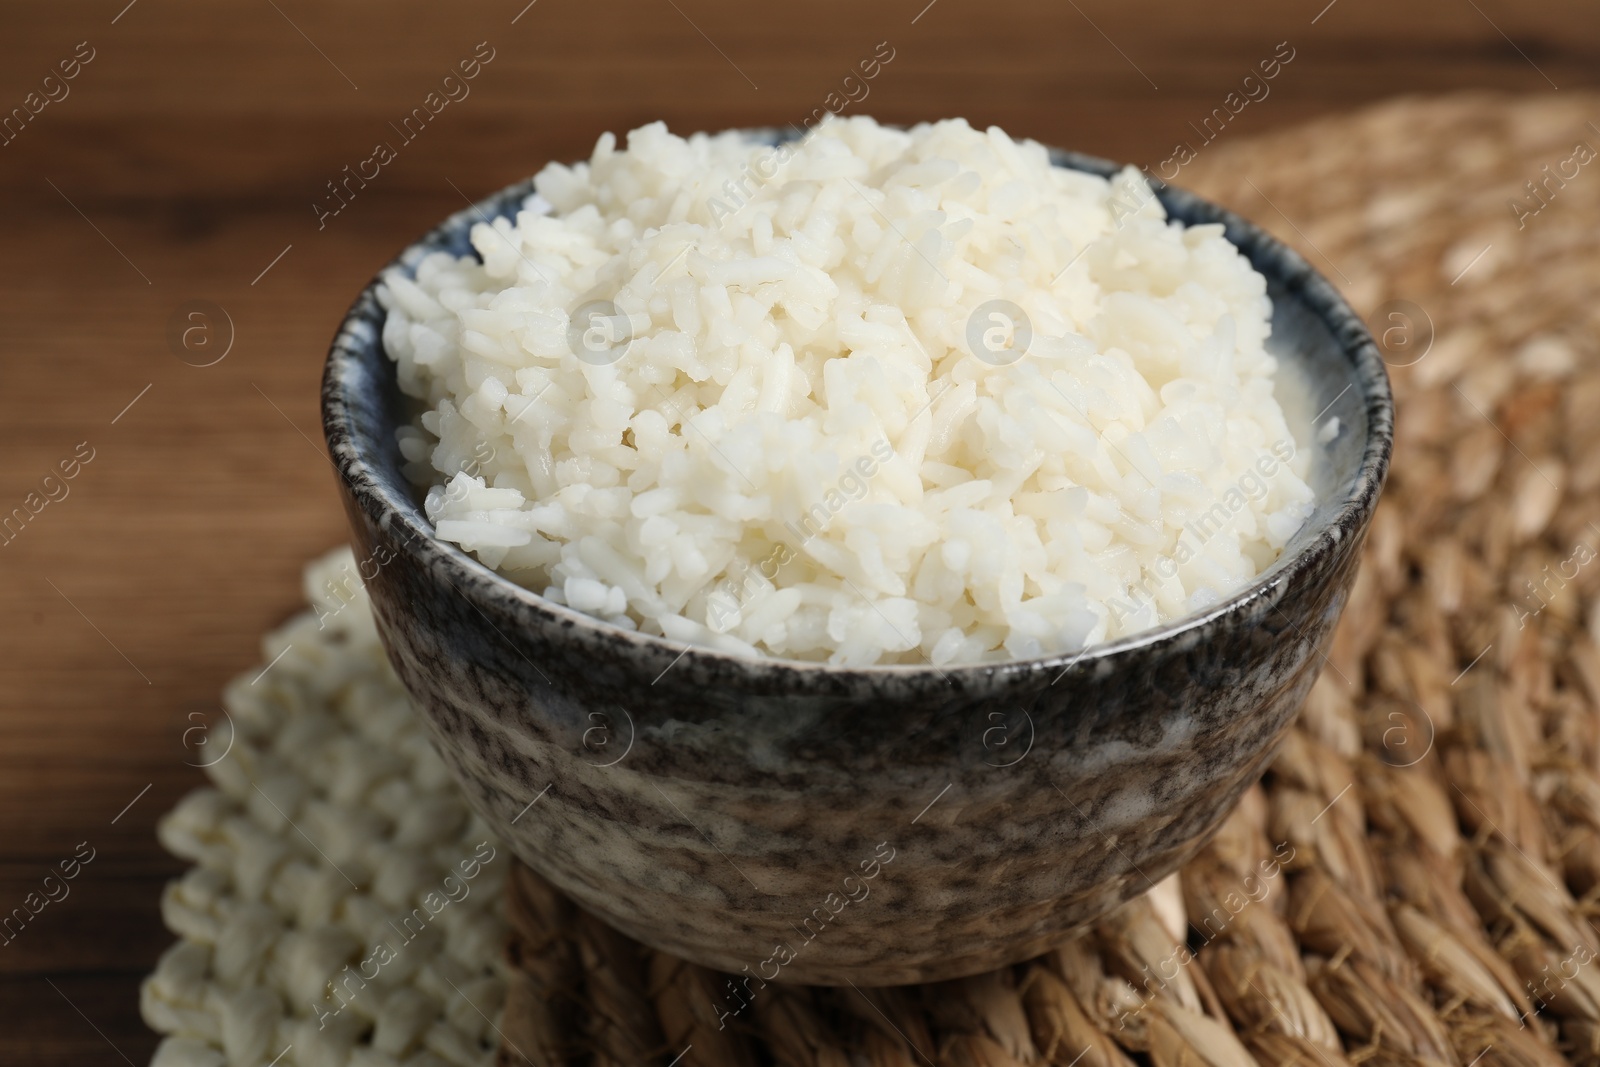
x=392, y=511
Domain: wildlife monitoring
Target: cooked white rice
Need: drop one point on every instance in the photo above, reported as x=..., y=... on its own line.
x=799, y=453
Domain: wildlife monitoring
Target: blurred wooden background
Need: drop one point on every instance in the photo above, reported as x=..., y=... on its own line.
x=183, y=164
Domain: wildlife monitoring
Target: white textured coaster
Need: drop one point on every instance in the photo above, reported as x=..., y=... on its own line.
x=345, y=906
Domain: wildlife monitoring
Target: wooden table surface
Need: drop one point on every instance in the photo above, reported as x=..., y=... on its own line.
x=181, y=163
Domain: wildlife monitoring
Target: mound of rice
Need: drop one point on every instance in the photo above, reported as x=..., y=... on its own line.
x=880, y=396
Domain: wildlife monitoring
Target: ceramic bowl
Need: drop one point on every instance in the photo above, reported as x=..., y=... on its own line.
x=805, y=823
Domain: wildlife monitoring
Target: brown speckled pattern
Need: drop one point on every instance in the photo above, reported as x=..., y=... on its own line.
x=707, y=804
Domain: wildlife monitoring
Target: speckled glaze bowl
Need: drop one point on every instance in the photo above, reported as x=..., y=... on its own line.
x=804, y=823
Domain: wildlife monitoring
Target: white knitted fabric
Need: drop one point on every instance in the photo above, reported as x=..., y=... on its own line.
x=345, y=906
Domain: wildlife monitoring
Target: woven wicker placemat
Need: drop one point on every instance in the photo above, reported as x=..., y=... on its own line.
x=1415, y=879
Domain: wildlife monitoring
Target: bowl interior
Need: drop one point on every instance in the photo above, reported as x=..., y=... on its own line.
x=1329, y=370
